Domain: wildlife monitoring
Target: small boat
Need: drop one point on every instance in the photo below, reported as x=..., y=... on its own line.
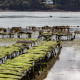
x=50, y=16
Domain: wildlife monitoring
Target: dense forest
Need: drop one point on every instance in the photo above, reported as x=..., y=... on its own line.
x=73, y=5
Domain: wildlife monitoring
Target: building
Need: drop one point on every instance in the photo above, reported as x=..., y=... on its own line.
x=49, y=1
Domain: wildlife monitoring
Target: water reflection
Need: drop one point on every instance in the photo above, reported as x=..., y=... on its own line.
x=77, y=36
x=24, y=16
x=7, y=43
x=67, y=67
x=38, y=19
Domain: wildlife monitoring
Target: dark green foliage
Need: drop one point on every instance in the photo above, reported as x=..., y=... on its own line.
x=73, y=5
x=39, y=5
x=22, y=5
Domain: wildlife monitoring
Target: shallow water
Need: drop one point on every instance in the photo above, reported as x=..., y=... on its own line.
x=6, y=43
x=38, y=19
x=67, y=67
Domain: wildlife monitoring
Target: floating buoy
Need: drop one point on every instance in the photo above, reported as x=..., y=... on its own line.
x=50, y=16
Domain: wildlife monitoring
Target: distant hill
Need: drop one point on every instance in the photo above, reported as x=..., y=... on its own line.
x=33, y=5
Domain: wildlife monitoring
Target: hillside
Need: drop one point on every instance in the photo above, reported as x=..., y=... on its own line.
x=32, y=5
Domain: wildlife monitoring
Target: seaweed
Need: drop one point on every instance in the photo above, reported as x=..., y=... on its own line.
x=16, y=68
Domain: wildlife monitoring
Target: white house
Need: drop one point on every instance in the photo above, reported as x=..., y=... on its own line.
x=49, y=1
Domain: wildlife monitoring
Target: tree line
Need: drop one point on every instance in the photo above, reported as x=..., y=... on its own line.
x=23, y=5
x=39, y=5
x=73, y=5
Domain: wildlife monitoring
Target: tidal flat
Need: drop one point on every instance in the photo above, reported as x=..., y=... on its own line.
x=69, y=64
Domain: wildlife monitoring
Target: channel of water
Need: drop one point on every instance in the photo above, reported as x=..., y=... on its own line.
x=67, y=67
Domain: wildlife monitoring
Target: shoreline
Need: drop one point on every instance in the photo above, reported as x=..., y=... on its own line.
x=44, y=73
x=37, y=11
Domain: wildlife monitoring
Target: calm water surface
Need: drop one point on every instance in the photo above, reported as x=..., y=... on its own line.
x=23, y=19
x=67, y=67
x=7, y=43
